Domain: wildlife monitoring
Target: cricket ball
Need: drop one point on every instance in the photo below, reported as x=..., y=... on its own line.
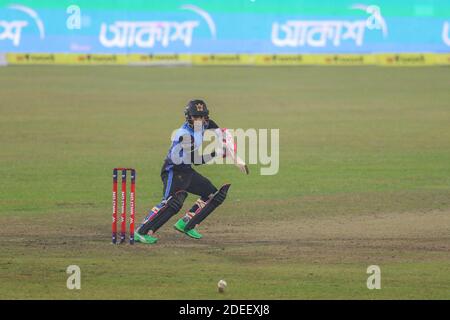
x=221, y=285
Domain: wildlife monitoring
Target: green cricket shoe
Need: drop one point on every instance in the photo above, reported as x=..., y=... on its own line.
x=194, y=234
x=144, y=238
x=181, y=225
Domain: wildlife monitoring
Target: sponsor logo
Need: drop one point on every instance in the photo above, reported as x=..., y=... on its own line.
x=226, y=58
x=446, y=33
x=114, y=202
x=12, y=30
x=102, y=58
x=146, y=34
x=341, y=59
x=37, y=58
x=322, y=33
x=205, y=15
x=221, y=58
x=317, y=33
x=288, y=58
x=375, y=21
x=132, y=203
x=160, y=57
x=406, y=59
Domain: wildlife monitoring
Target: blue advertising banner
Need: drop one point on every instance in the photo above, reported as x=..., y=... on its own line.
x=246, y=26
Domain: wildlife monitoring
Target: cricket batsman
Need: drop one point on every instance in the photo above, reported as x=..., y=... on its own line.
x=179, y=178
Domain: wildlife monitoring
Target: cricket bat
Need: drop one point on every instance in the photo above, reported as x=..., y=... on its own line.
x=231, y=150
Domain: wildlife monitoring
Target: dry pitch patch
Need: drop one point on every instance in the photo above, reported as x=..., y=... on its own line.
x=306, y=254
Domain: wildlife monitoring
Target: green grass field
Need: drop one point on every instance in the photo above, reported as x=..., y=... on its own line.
x=364, y=180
